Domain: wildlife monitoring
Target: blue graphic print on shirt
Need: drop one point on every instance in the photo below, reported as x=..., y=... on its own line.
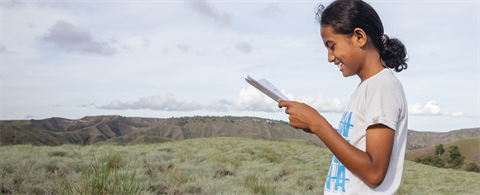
x=339, y=178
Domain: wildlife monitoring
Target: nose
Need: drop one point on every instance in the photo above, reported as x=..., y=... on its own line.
x=331, y=57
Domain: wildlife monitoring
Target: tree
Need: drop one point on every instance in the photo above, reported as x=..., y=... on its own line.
x=455, y=157
x=439, y=149
x=454, y=153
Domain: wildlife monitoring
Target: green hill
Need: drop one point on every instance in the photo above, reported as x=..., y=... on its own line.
x=469, y=147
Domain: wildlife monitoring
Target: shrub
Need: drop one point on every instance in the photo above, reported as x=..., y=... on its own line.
x=472, y=167
x=58, y=154
x=418, y=160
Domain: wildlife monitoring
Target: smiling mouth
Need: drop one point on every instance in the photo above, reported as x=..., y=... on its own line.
x=340, y=65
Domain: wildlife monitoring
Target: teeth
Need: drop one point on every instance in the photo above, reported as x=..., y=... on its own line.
x=340, y=65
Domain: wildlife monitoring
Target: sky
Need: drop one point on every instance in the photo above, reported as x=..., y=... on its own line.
x=166, y=59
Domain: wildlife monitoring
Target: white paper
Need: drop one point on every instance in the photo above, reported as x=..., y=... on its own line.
x=267, y=88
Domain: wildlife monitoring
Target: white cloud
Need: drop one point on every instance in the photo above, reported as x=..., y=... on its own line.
x=221, y=105
x=322, y=103
x=431, y=108
x=454, y=114
x=73, y=39
x=249, y=99
x=207, y=9
x=253, y=100
x=29, y=116
x=457, y=114
x=166, y=103
x=157, y=102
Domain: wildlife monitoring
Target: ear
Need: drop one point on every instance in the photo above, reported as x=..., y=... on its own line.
x=359, y=37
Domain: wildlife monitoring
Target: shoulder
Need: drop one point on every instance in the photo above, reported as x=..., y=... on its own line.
x=384, y=80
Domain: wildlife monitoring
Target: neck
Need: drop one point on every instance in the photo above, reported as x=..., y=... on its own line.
x=372, y=65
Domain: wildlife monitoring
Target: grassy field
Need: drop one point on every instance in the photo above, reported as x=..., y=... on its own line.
x=197, y=166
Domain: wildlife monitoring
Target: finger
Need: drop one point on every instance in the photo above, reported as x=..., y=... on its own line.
x=286, y=111
x=284, y=103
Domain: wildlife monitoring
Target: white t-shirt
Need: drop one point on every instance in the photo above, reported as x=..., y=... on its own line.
x=379, y=99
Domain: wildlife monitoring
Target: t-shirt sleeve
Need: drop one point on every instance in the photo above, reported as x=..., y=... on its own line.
x=383, y=103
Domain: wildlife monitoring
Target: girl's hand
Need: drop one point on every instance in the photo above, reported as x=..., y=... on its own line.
x=301, y=116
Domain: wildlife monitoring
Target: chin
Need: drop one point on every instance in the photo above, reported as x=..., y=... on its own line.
x=346, y=74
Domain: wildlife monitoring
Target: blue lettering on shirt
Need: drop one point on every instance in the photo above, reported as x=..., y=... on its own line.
x=339, y=177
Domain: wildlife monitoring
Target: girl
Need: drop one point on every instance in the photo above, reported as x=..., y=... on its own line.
x=369, y=144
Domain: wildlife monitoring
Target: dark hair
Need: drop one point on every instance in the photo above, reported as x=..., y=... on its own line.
x=346, y=15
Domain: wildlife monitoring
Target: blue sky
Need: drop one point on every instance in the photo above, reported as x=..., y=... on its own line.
x=161, y=59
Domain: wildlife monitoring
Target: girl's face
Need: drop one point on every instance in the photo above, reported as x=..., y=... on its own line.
x=343, y=50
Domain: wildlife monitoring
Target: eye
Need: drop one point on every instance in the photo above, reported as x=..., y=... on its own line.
x=332, y=47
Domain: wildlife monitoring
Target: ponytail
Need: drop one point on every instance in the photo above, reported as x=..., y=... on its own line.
x=394, y=54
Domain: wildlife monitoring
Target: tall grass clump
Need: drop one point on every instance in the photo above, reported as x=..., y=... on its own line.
x=102, y=176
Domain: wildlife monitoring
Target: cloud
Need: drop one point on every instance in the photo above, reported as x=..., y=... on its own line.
x=184, y=48
x=157, y=102
x=253, y=100
x=29, y=116
x=55, y=105
x=221, y=105
x=205, y=8
x=244, y=47
x=249, y=99
x=85, y=105
x=4, y=50
x=431, y=108
x=454, y=114
x=73, y=39
x=12, y=3
x=272, y=10
x=322, y=103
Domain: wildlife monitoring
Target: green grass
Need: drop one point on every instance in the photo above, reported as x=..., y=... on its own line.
x=197, y=166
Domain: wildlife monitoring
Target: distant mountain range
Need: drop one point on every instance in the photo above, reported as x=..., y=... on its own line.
x=418, y=139
x=136, y=130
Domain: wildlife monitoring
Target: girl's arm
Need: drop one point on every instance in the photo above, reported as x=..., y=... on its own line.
x=370, y=166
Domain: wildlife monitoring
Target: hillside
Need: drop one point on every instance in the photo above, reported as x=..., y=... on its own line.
x=129, y=130
x=132, y=130
x=417, y=139
x=468, y=147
